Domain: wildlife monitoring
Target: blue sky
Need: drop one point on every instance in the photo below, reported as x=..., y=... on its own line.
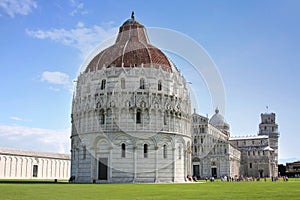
x=255, y=44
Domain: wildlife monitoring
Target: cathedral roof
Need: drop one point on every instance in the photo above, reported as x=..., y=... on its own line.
x=250, y=137
x=20, y=152
x=131, y=49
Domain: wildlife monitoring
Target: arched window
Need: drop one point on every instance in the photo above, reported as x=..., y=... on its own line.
x=123, y=150
x=103, y=84
x=123, y=83
x=165, y=151
x=138, y=117
x=145, y=150
x=159, y=85
x=142, y=83
x=102, y=118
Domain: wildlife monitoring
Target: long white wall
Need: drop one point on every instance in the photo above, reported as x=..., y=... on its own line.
x=22, y=167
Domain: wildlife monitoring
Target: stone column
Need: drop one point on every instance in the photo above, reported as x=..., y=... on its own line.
x=185, y=164
x=93, y=164
x=174, y=163
x=109, y=167
x=134, y=163
x=156, y=163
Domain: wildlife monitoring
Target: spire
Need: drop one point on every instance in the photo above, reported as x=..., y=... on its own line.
x=217, y=110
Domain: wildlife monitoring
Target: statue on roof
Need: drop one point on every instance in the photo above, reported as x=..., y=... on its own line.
x=132, y=15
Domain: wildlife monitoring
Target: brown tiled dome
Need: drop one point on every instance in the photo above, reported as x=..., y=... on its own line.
x=131, y=49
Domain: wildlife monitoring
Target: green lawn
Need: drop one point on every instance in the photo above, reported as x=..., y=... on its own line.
x=217, y=190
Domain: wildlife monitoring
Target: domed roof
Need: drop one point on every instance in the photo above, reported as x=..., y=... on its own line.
x=217, y=119
x=131, y=49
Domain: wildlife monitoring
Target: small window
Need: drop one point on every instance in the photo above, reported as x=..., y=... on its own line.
x=225, y=151
x=159, y=85
x=195, y=149
x=250, y=165
x=248, y=153
x=254, y=153
x=123, y=154
x=165, y=151
x=165, y=119
x=138, y=117
x=142, y=83
x=263, y=152
x=103, y=84
x=252, y=142
x=201, y=140
x=123, y=83
x=35, y=171
x=195, y=140
x=259, y=153
x=145, y=150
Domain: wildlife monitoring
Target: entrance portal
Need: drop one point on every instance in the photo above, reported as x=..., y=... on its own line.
x=102, y=169
x=214, y=172
x=196, y=171
x=261, y=173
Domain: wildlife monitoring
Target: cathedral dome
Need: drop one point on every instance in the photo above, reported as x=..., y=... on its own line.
x=131, y=49
x=219, y=122
x=217, y=119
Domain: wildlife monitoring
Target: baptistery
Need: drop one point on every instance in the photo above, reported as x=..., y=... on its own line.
x=131, y=114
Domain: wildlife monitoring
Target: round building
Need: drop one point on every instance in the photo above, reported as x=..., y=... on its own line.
x=131, y=118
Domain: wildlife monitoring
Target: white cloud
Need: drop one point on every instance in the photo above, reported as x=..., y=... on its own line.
x=19, y=119
x=83, y=38
x=13, y=7
x=59, y=78
x=78, y=8
x=45, y=139
x=16, y=118
x=54, y=89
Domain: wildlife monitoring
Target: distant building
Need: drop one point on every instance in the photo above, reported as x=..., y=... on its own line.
x=212, y=152
x=24, y=164
x=217, y=154
x=293, y=167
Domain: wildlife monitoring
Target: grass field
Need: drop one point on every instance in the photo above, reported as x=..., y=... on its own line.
x=217, y=190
